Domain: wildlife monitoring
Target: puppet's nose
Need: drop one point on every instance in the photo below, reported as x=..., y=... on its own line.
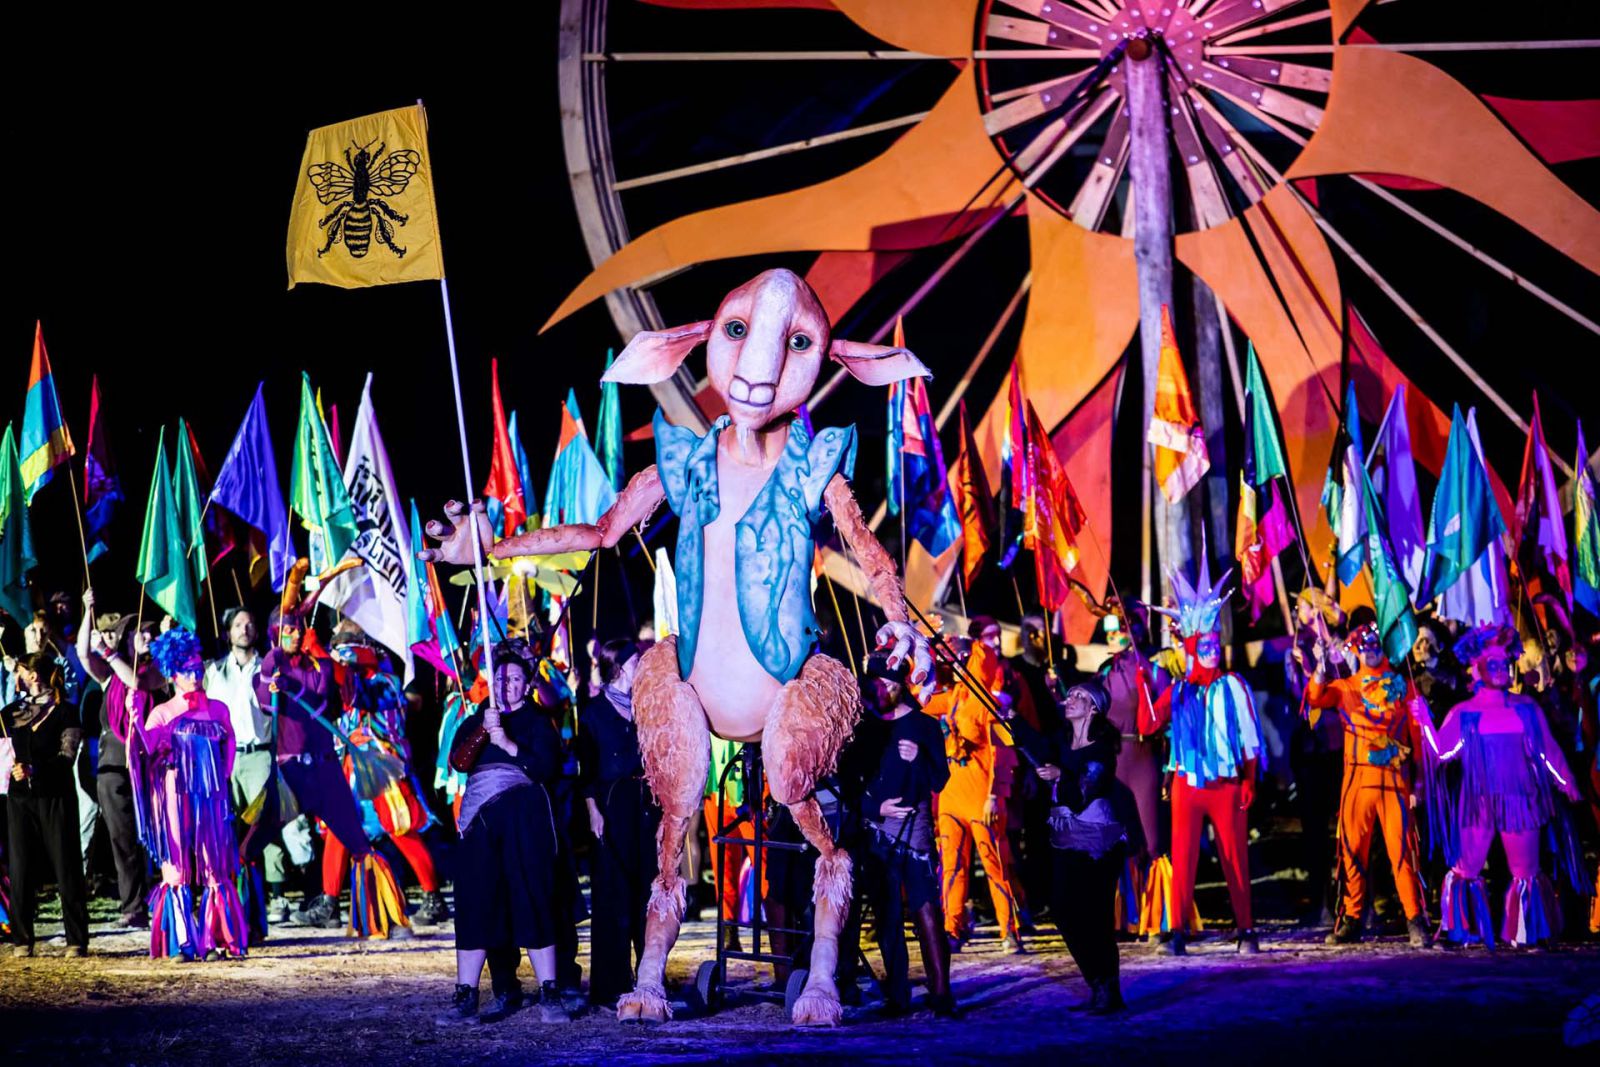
x=755, y=393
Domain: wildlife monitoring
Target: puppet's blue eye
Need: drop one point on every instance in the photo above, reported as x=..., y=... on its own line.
x=799, y=342
x=734, y=328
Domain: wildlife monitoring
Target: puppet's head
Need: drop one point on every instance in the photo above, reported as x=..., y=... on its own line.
x=764, y=351
x=1196, y=613
x=300, y=593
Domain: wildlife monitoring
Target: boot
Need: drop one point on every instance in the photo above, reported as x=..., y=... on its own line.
x=278, y=911
x=551, y=1008
x=1249, y=943
x=1013, y=946
x=322, y=913
x=463, y=1007
x=433, y=910
x=502, y=1006
x=730, y=939
x=1107, y=997
x=935, y=959
x=1417, y=931
x=1176, y=944
x=1346, y=932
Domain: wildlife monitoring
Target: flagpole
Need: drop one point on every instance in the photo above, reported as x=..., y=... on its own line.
x=77, y=511
x=844, y=635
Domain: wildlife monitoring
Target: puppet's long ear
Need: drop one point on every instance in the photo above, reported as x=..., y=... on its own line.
x=877, y=364
x=654, y=355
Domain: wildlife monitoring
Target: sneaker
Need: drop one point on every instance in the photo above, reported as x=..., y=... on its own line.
x=214, y=955
x=278, y=911
x=463, y=1007
x=75, y=952
x=433, y=910
x=502, y=1006
x=400, y=932
x=134, y=922
x=944, y=1006
x=1249, y=943
x=1346, y=932
x=321, y=912
x=1107, y=999
x=551, y=1008
x=1013, y=947
x=1417, y=931
x=22, y=951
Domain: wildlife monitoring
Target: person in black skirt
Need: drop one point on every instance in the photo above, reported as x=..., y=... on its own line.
x=42, y=808
x=506, y=865
x=1079, y=763
x=623, y=816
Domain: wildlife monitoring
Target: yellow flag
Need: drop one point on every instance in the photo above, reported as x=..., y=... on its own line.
x=363, y=210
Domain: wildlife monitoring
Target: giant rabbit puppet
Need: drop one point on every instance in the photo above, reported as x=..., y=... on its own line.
x=745, y=664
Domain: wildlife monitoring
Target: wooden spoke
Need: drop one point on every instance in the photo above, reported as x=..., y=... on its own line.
x=1226, y=142
x=1205, y=191
x=1062, y=144
x=1274, y=27
x=1434, y=46
x=1268, y=99
x=1088, y=208
x=757, y=57
x=1267, y=120
x=1071, y=26
x=1033, y=53
x=1023, y=31
x=1288, y=75
x=1237, y=14
x=769, y=153
x=1035, y=87
x=1023, y=109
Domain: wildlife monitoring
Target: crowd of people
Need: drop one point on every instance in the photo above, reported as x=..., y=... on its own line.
x=223, y=788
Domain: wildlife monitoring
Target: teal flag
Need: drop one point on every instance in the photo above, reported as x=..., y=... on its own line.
x=1390, y=596
x=608, y=429
x=190, y=508
x=316, y=487
x=162, y=569
x=1465, y=518
x=16, y=539
x=1266, y=442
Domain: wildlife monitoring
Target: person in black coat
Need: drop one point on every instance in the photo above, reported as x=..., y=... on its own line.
x=1089, y=839
x=624, y=818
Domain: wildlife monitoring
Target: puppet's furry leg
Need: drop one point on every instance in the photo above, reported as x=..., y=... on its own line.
x=676, y=745
x=810, y=721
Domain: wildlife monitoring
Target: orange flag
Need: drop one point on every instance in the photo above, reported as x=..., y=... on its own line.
x=1180, y=443
x=505, y=484
x=1054, y=517
x=969, y=488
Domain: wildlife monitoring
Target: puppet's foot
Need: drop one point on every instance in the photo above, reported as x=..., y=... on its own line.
x=819, y=1004
x=647, y=1004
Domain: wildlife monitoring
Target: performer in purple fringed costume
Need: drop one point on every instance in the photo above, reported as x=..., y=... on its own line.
x=179, y=761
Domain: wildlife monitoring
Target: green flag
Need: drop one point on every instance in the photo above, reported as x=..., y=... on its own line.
x=162, y=569
x=190, y=507
x=1391, y=598
x=316, y=487
x=608, y=430
x=16, y=540
x=1265, y=441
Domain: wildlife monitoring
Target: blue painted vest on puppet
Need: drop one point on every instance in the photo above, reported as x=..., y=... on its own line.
x=773, y=546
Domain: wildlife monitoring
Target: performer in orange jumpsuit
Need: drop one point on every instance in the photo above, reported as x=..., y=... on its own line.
x=1382, y=744
x=1216, y=740
x=972, y=804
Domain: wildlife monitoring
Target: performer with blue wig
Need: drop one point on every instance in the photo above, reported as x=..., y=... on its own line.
x=180, y=761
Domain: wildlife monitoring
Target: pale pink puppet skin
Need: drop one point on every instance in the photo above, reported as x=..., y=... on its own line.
x=764, y=351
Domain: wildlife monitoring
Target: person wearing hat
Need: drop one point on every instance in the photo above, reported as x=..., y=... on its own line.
x=109, y=651
x=1382, y=741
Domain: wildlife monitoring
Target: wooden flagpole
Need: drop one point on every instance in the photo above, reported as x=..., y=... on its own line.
x=77, y=511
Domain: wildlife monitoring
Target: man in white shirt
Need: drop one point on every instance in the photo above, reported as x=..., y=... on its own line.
x=232, y=679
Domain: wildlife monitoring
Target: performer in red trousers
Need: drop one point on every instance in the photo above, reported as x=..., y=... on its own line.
x=1215, y=742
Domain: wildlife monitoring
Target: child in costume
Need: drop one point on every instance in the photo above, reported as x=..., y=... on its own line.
x=1511, y=770
x=1216, y=742
x=180, y=762
x=375, y=715
x=1382, y=739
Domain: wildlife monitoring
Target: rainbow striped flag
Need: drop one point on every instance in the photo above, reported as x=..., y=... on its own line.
x=46, y=441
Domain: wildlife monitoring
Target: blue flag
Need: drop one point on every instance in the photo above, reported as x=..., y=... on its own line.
x=1465, y=519
x=1390, y=597
x=530, y=495
x=248, y=486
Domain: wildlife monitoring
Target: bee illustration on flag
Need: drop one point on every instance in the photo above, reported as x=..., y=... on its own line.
x=360, y=188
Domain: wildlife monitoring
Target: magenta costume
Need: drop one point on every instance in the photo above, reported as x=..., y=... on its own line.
x=179, y=763
x=1508, y=785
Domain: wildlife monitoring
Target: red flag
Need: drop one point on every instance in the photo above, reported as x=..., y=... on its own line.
x=1539, y=537
x=969, y=488
x=1052, y=519
x=505, y=484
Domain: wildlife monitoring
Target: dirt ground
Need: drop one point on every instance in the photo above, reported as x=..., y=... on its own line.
x=316, y=996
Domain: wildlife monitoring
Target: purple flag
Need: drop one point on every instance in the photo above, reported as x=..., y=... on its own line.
x=248, y=486
x=1394, y=476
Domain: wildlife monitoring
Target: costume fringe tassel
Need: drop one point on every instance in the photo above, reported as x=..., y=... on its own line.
x=376, y=902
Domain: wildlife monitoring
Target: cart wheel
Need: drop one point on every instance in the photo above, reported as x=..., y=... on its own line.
x=792, y=991
x=707, y=986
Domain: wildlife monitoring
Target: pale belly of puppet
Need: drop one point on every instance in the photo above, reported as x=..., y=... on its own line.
x=734, y=688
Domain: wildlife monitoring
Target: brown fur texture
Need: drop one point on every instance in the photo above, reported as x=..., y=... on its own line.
x=883, y=580
x=811, y=719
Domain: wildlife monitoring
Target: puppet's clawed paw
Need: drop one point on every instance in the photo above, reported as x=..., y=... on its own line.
x=818, y=1005
x=644, y=1005
x=904, y=641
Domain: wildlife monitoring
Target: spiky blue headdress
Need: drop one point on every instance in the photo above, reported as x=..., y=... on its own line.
x=174, y=651
x=1198, y=605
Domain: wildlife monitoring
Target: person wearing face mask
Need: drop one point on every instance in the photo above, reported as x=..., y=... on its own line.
x=1382, y=739
x=1089, y=839
x=624, y=818
x=181, y=760
x=1435, y=671
x=1511, y=769
x=1215, y=744
x=506, y=867
x=297, y=683
x=42, y=805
